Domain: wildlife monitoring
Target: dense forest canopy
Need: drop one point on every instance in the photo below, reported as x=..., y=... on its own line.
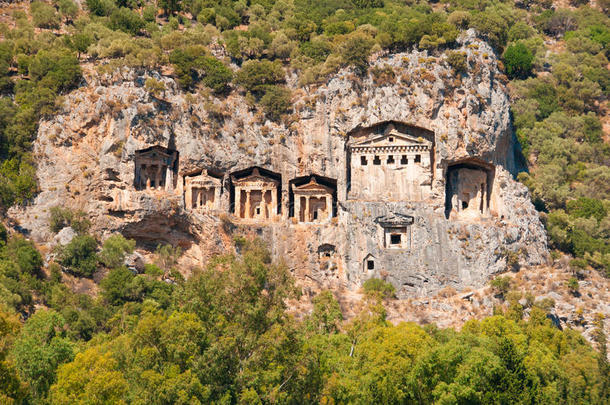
x=224, y=335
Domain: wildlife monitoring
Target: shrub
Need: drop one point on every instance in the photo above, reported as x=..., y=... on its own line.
x=114, y=250
x=62, y=217
x=518, y=61
x=216, y=75
x=572, y=285
x=458, y=61
x=501, y=284
x=68, y=9
x=101, y=7
x=584, y=207
x=44, y=15
x=255, y=75
x=117, y=286
x=355, y=51
x=126, y=20
x=79, y=256
x=276, y=101
x=23, y=253
x=154, y=86
x=379, y=287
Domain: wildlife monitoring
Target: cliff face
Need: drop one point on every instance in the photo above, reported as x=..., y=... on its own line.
x=449, y=233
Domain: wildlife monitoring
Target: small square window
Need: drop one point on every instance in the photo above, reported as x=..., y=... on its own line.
x=417, y=158
x=395, y=239
x=390, y=159
x=404, y=160
x=370, y=265
x=391, y=139
x=258, y=211
x=376, y=161
x=362, y=160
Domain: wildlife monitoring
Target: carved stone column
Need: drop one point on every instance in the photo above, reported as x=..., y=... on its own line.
x=237, y=207
x=297, y=207
x=216, y=204
x=188, y=197
x=329, y=206
x=273, y=210
x=307, y=217
x=247, y=207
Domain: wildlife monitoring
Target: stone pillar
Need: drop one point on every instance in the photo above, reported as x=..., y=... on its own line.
x=147, y=182
x=329, y=207
x=200, y=193
x=273, y=210
x=158, y=178
x=297, y=207
x=247, y=207
x=188, y=197
x=169, y=179
x=216, y=204
x=307, y=217
x=237, y=207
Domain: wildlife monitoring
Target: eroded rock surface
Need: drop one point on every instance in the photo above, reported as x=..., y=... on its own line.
x=86, y=159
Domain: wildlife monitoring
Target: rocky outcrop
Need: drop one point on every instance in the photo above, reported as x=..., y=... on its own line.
x=86, y=160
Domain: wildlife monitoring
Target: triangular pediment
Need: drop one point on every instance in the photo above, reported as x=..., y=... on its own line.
x=255, y=177
x=395, y=219
x=313, y=186
x=393, y=138
x=155, y=151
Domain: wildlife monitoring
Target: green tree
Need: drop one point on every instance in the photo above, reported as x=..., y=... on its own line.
x=518, y=61
x=114, y=250
x=79, y=256
x=93, y=377
x=276, y=101
x=39, y=349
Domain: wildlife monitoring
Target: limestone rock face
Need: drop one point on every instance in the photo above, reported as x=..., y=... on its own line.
x=86, y=160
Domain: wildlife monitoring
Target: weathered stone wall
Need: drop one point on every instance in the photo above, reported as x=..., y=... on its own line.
x=86, y=160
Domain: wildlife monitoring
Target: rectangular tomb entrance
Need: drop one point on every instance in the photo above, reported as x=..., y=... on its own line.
x=390, y=161
x=313, y=201
x=256, y=195
x=202, y=191
x=155, y=168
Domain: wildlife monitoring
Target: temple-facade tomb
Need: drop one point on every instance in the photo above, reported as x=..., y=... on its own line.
x=202, y=191
x=155, y=168
x=468, y=189
x=390, y=162
x=313, y=201
x=256, y=195
x=396, y=230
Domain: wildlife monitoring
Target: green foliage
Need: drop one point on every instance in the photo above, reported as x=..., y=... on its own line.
x=585, y=207
x=501, y=284
x=276, y=101
x=193, y=64
x=518, y=61
x=114, y=250
x=79, y=256
x=126, y=20
x=93, y=377
x=458, y=61
x=572, y=285
x=61, y=217
x=44, y=15
x=39, y=349
x=326, y=315
x=378, y=287
x=256, y=76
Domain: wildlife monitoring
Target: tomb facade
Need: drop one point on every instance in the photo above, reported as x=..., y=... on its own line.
x=202, y=191
x=396, y=231
x=255, y=196
x=468, y=190
x=313, y=202
x=155, y=168
x=391, y=162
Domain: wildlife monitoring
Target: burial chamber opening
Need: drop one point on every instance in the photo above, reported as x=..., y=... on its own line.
x=468, y=187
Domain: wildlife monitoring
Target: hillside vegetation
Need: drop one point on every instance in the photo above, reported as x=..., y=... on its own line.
x=224, y=335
